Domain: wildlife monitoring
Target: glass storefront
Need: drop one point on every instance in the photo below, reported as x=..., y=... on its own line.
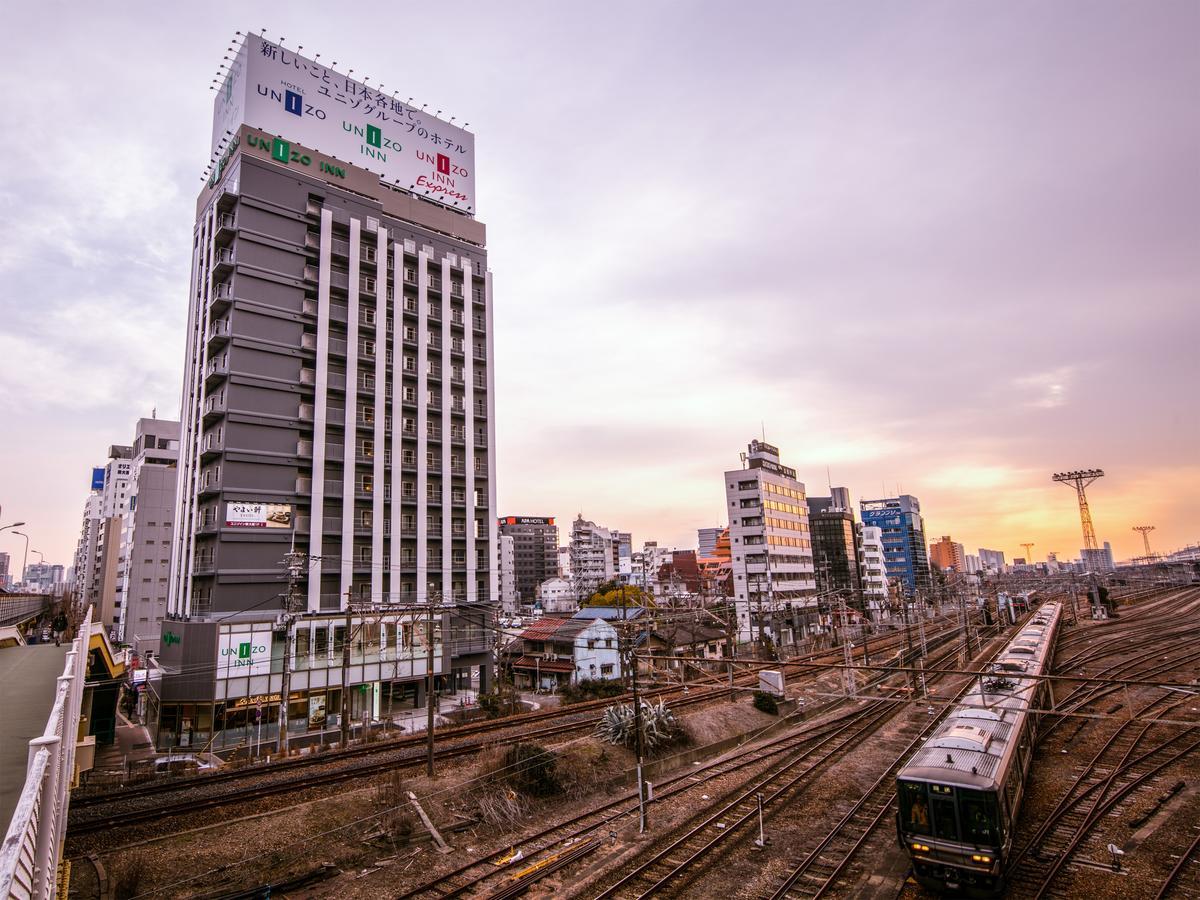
x=253, y=722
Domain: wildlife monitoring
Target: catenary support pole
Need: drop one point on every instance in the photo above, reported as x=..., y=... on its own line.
x=429, y=692
x=346, y=637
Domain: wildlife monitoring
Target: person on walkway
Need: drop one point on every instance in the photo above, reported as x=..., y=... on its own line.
x=60, y=626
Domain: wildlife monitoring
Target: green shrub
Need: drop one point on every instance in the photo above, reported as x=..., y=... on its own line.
x=766, y=703
x=501, y=700
x=591, y=689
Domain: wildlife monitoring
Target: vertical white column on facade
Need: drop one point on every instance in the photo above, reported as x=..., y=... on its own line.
x=447, y=391
x=189, y=548
x=397, y=412
x=317, y=516
x=383, y=410
x=350, y=442
x=422, y=425
x=490, y=356
x=469, y=418
x=188, y=416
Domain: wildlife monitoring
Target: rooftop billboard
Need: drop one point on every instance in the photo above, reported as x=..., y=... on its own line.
x=297, y=99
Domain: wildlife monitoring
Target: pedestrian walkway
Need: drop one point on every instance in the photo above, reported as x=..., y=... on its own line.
x=28, y=685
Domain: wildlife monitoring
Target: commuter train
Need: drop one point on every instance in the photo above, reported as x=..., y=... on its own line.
x=960, y=793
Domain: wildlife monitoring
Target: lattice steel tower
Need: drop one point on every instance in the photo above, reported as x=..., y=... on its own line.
x=1028, y=553
x=1145, y=532
x=1081, y=480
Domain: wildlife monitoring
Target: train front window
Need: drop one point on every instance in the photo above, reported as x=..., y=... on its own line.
x=980, y=818
x=914, y=808
x=945, y=825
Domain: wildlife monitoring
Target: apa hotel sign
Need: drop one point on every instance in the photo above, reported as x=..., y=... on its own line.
x=283, y=93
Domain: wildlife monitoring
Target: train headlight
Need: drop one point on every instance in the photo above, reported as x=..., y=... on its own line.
x=923, y=848
x=980, y=858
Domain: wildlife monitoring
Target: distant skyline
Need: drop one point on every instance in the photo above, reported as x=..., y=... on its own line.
x=949, y=248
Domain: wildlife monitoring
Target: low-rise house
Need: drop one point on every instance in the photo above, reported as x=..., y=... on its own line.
x=556, y=651
x=671, y=644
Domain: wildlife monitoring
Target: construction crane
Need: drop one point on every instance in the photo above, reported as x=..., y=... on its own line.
x=1080, y=480
x=1028, y=555
x=1145, y=532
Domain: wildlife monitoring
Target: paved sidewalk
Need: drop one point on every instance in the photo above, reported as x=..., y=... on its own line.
x=28, y=685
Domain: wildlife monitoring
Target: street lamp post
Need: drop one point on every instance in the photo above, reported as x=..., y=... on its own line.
x=25, y=558
x=13, y=525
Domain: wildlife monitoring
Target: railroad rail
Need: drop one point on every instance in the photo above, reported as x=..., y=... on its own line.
x=471, y=876
x=1184, y=879
x=117, y=812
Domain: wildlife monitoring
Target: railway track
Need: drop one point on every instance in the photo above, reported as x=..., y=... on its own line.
x=675, y=864
x=1118, y=769
x=1184, y=878
x=1144, y=642
x=196, y=795
x=581, y=835
x=595, y=822
x=820, y=868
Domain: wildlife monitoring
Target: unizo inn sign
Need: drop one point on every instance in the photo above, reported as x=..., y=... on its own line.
x=244, y=652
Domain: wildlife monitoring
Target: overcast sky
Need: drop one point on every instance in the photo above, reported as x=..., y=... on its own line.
x=948, y=248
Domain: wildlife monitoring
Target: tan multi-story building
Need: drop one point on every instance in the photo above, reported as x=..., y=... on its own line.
x=774, y=583
x=946, y=554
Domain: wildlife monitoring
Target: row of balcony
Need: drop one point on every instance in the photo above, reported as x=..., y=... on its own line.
x=367, y=347
x=336, y=415
x=335, y=450
x=368, y=283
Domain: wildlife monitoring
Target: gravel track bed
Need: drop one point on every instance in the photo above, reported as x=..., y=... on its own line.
x=1060, y=758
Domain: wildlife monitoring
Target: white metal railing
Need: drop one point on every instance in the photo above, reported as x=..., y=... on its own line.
x=32, y=848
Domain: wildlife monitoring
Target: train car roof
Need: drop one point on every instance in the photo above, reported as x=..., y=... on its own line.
x=972, y=743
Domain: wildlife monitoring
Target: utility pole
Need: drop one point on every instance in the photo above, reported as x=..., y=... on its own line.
x=429, y=692
x=295, y=566
x=345, y=717
x=637, y=738
x=851, y=683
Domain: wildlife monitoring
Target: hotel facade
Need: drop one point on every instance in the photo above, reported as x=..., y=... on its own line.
x=338, y=404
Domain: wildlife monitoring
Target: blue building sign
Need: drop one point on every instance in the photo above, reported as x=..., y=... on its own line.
x=97, y=478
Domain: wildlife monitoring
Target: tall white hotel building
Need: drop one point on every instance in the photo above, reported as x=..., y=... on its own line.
x=337, y=398
x=774, y=585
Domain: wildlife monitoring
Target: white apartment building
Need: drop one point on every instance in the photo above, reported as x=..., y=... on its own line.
x=773, y=576
x=555, y=595
x=874, y=570
x=592, y=558
x=646, y=564
x=84, y=562
x=146, y=534
x=99, y=567
x=506, y=548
